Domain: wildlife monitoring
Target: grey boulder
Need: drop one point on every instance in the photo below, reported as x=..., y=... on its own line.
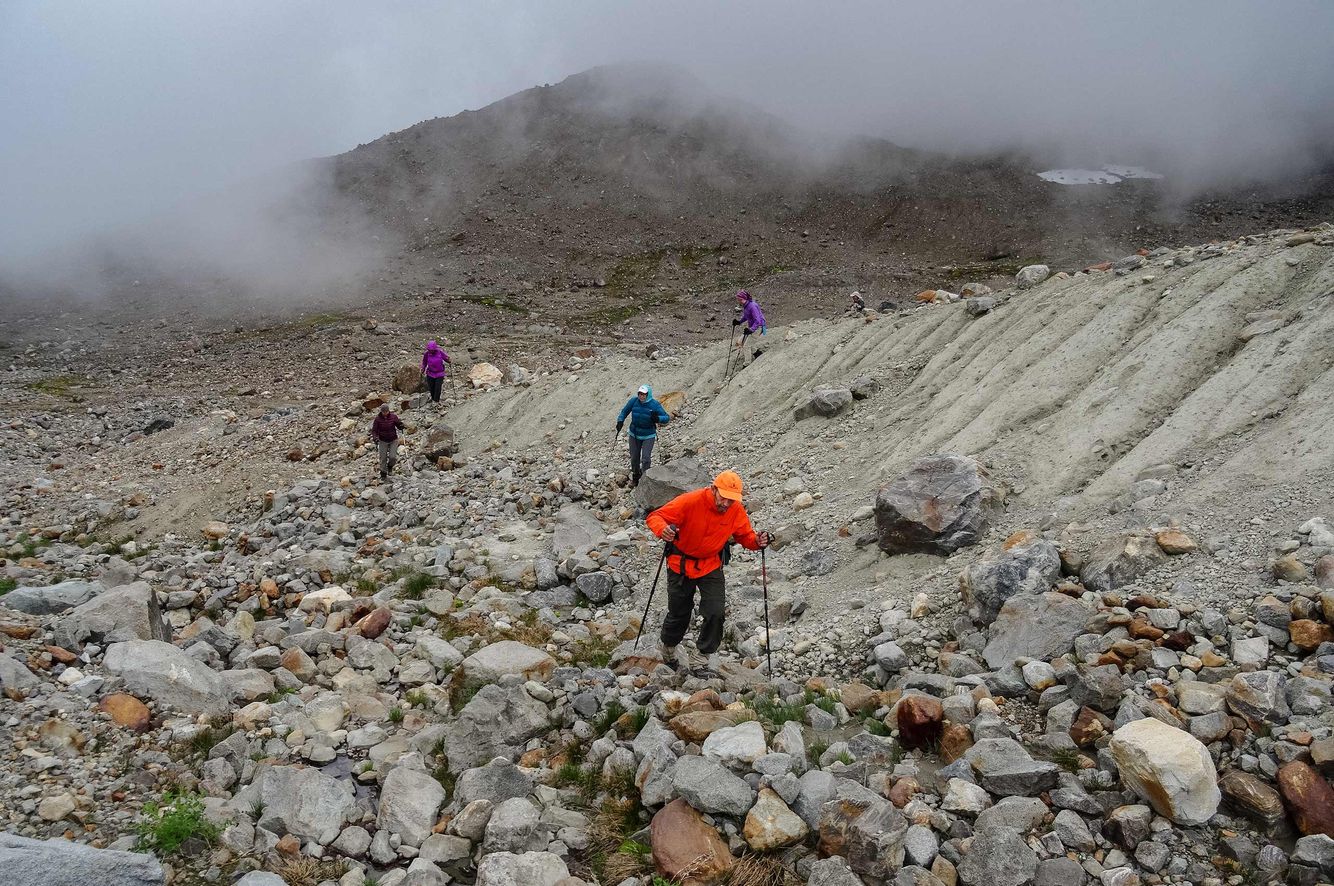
x=825, y=401
x=1030, y=569
x=300, y=801
x=160, y=671
x=711, y=788
x=51, y=599
x=942, y=503
x=130, y=612
x=1040, y=626
x=62, y=863
x=664, y=482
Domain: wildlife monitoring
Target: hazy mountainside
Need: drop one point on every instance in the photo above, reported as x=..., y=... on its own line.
x=559, y=185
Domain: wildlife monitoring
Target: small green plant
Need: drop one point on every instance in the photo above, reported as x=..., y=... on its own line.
x=366, y=766
x=417, y=584
x=208, y=738
x=875, y=727
x=775, y=712
x=369, y=881
x=417, y=698
x=395, y=715
x=7, y=584
x=257, y=810
x=279, y=694
x=366, y=587
x=177, y=818
x=610, y=714
x=594, y=651
x=817, y=748
x=845, y=758
x=1066, y=758
x=638, y=720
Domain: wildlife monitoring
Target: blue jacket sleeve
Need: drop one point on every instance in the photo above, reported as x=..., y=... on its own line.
x=663, y=417
x=629, y=404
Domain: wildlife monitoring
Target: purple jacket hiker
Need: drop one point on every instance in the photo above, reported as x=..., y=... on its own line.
x=434, y=360
x=751, y=315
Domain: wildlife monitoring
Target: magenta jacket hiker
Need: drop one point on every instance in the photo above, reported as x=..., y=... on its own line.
x=434, y=360
x=751, y=315
x=385, y=426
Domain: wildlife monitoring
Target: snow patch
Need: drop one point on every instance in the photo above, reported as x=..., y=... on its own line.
x=1107, y=175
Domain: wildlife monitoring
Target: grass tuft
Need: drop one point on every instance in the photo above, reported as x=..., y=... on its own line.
x=168, y=824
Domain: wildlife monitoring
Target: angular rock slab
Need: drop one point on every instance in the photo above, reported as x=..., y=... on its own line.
x=300, y=801
x=771, y=824
x=490, y=663
x=1120, y=560
x=130, y=612
x=1031, y=569
x=1169, y=768
x=664, y=482
x=51, y=599
x=160, y=671
x=1040, y=626
x=409, y=803
x=942, y=503
x=528, y=869
x=62, y=863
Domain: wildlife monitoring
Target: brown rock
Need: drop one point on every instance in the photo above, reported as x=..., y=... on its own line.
x=1324, y=577
x=288, y=845
x=920, y=719
x=299, y=663
x=407, y=379
x=704, y=700
x=1309, y=798
x=903, y=791
x=64, y=656
x=1251, y=796
x=685, y=849
x=699, y=725
x=1289, y=568
x=127, y=711
x=1174, y=541
x=858, y=697
x=1089, y=726
x=61, y=737
x=1019, y=539
x=1140, y=629
x=17, y=631
x=1179, y=641
x=374, y=624
x=1307, y=634
x=955, y=739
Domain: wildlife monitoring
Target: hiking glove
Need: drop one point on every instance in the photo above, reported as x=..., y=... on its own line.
x=736, y=322
x=619, y=425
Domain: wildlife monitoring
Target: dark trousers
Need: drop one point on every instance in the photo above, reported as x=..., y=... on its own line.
x=681, y=605
x=434, y=385
x=641, y=455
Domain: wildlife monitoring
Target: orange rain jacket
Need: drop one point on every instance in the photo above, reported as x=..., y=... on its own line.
x=702, y=531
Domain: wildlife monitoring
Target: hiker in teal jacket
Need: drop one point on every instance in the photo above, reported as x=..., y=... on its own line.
x=645, y=416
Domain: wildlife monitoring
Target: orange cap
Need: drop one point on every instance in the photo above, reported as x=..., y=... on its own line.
x=728, y=485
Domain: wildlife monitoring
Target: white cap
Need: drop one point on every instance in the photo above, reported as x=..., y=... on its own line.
x=643, y=389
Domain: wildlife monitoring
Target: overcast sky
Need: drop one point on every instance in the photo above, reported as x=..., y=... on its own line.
x=112, y=109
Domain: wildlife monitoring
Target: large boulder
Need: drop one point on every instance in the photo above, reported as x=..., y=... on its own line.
x=51, y=599
x=1309, y=798
x=771, y=824
x=528, y=869
x=130, y=612
x=577, y=531
x=664, y=482
x=864, y=828
x=495, y=723
x=160, y=671
x=409, y=802
x=1031, y=275
x=15, y=678
x=300, y=801
x=1121, y=560
x=824, y=401
x=1035, y=626
x=490, y=663
x=486, y=375
x=686, y=849
x=1030, y=569
x=408, y=379
x=941, y=504
x=709, y=787
x=1169, y=768
x=998, y=856
x=1003, y=767
x=62, y=863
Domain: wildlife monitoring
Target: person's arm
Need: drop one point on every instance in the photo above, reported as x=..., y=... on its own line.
x=625, y=410
x=423, y=363
x=670, y=514
x=744, y=534
x=662, y=415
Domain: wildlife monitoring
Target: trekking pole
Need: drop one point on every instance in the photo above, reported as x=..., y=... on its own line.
x=731, y=348
x=454, y=385
x=644, y=620
x=764, y=580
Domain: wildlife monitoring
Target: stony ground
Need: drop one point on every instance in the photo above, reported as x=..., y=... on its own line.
x=227, y=645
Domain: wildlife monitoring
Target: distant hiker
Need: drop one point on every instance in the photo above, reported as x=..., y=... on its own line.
x=645, y=416
x=697, y=527
x=384, y=430
x=751, y=320
x=433, y=367
x=857, y=306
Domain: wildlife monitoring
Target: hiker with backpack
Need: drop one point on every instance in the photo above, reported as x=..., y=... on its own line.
x=751, y=320
x=433, y=367
x=697, y=527
x=645, y=415
x=384, y=431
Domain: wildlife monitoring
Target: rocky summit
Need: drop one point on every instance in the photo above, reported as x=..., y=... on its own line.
x=1049, y=599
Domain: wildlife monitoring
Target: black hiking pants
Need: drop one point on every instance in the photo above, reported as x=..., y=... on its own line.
x=434, y=385
x=641, y=456
x=681, y=606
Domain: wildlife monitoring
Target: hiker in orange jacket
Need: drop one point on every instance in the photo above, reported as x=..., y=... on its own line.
x=697, y=526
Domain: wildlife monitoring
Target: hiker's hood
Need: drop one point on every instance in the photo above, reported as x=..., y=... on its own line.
x=743, y=295
x=646, y=389
x=432, y=346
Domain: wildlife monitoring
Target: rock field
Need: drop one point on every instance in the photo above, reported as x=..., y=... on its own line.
x=1051, y=599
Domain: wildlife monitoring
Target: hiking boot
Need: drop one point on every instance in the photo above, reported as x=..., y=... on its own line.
x=669, y=656
x=710, y=669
